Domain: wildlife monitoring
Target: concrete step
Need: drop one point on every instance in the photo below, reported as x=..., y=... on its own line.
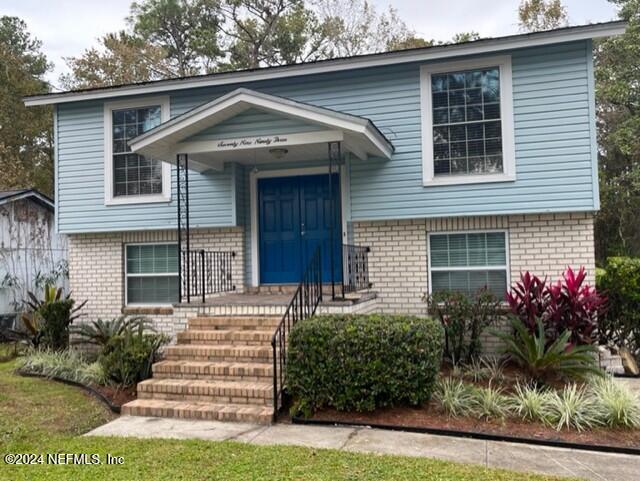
x=199, y=410
x=209, y=370
x=219, y=392
x=237, y=337
x=219, y=352
x=267, y=323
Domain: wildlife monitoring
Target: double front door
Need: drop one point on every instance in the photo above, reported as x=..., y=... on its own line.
x=294, y=218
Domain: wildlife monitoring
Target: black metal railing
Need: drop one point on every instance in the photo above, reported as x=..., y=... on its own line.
x=302, y=306
x=206, y=272
x=355, y=272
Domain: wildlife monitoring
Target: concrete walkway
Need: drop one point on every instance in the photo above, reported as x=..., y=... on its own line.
x=518, y=457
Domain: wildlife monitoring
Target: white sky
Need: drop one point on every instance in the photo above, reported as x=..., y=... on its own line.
x=67, y=27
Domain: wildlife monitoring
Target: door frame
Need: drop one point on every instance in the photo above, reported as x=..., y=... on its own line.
x=342, y=173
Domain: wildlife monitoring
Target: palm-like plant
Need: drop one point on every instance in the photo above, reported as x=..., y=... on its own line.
x=100, y=332
x=541, y=360
x=50, y=317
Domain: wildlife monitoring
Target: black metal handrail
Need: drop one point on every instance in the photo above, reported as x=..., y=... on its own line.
x=355, y=261
x=302, y=306
x=206, y=272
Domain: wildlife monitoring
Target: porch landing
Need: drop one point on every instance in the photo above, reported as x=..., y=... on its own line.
x=269, y=303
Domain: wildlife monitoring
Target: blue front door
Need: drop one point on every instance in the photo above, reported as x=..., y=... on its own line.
x=294, y=217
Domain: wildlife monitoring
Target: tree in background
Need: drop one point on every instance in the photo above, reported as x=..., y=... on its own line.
x=271, y=32
x=355, y=27
x=617, y=70
x=187, y=30
x=121, y=58
x=25, y=133
x=536, y=15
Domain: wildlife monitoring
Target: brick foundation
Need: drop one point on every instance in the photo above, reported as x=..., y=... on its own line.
x=545, y=244
x=96, y=270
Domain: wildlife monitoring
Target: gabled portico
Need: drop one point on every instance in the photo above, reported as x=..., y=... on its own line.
x=298, y=194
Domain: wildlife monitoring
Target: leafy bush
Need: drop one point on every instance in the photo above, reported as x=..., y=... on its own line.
x=572, y=407
x=541, y=360
x=464, y=319
x=568, y=305
x=489, y=402
x=617, y=407
x=68, y=364
x=50, y=318
x=620, y=325
x=127, y=357
x=363, y=362
x=100, y=332
x=454, y=396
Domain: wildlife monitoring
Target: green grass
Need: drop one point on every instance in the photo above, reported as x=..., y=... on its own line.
x=39, y=416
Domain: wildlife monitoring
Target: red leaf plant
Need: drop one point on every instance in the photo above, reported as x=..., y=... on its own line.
x=569, y=304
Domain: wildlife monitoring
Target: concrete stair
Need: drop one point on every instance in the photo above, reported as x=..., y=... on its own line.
x=221, y=369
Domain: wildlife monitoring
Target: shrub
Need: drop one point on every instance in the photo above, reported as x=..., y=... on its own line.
x=50, y=318
x=69, y=365
x=363, y=362
x=541, y=360
x=568, y=305
x=489, y=402
x=617, y=406
x=454, y=397
x=100, y=332
x=464, y=319
x=573, y=407
x=620, y=325
x=127, y=357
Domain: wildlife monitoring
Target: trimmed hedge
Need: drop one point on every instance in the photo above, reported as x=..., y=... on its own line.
x=363, y=362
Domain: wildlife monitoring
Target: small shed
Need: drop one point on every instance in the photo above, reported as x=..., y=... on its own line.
x=32, y=253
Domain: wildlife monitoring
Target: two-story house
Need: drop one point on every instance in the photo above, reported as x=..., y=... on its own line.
x=447, y=167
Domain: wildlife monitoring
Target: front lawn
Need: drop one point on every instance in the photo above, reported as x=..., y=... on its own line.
x=38, y=416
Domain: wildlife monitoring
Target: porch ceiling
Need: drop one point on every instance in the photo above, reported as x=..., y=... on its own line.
x=176, y=136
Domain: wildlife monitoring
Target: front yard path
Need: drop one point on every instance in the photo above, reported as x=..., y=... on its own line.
x=517, y=457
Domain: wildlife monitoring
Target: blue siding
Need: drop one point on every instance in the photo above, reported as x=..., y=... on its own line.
x=253, y=123
x=81, y=184
x=554, y=137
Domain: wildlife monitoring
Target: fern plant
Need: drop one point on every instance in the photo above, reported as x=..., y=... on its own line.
x=540, y=360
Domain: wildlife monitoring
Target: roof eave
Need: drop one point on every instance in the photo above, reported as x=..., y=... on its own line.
x=583, y=32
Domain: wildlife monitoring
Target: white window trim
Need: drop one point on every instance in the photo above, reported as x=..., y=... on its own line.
x=165, y=114
x=149, y=274
x=507, y=253
x=506, y=117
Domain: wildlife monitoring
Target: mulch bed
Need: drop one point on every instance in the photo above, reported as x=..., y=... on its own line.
x=117, y=397
x=429, y=417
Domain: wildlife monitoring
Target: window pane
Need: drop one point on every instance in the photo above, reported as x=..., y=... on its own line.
x=152, y=290
x=469, y=102
x=127, y=124
x=474, y=249
x=152, y=259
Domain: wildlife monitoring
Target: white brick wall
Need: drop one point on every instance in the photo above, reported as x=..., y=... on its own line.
x=544, y=244
x=96, y=268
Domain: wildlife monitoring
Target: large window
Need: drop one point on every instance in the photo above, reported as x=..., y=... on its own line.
x=467, y=135
x=132, y=173
x=151, y=273
x=467, y=125
x=130, y=178
x=468, y=262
